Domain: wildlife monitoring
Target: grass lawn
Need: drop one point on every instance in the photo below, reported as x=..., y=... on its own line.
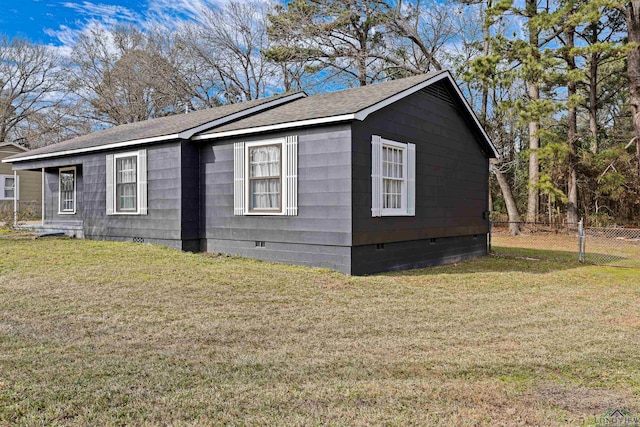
x=106, y=333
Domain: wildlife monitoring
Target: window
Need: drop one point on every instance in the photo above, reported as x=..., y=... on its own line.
x=392, y=178
x=67, y=190
x=127, y=183
x=8, y=187
x=394, y=194
x=266, y=177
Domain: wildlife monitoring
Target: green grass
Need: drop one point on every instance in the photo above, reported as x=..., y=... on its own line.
x=106, y=333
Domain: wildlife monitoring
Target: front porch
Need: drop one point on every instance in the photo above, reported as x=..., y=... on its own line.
x=67, y=227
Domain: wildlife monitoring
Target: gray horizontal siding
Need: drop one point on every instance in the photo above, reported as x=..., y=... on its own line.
x=324, y=193
x=162, y=224
x=451, y=173
x=51, y=199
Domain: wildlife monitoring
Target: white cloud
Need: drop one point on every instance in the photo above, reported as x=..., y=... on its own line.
x=169, y=14
x=106, y=12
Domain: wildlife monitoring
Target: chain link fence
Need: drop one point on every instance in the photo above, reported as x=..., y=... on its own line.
x=610, y=246
x=615, y=246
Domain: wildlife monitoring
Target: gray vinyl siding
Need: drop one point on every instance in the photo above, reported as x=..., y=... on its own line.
x=451, y=173
x=324, y=202
x=162, y=225
x=52, y=196
x=451, y=188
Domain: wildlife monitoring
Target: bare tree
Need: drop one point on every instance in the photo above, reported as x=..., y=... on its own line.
x=124, y=76
x=30, y=81
x=422, y=29
x=227, y=46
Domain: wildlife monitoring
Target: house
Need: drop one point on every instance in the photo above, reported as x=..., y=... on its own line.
x=24, y=184
x=376, y=178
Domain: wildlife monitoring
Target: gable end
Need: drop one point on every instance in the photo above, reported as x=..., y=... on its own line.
x=441, y=92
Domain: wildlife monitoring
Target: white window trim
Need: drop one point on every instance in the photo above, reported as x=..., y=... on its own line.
x=402, y=211
x=408, y=178
x=16, y=188
x=75, y=201
x=283, y=183
x=288, y=177
x=135, y=154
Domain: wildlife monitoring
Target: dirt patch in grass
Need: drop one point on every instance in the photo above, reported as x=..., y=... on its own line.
x=108, y=333
x=583, y=400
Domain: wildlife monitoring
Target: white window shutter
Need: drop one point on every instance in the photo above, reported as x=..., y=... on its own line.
x=142, y=185
x=291, y=176
x=110, y=189
x=376, y=175
x=411, y=179
x=238, y=178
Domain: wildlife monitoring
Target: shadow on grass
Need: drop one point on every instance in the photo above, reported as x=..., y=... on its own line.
x=506, y=259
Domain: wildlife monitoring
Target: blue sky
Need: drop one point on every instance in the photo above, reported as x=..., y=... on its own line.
x=57, y=22
x=41, y=20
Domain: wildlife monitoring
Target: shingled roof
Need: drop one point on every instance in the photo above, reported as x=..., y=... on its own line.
x=280, y=112
x=160, y=129
x=340, y=104
x=345, y=105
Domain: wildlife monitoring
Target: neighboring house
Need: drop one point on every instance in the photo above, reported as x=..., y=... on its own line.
x=26, y=185
x=375, y=178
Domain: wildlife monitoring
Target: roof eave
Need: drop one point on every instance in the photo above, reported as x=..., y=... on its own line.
x=12, y=144
x=444, y=75
x=122, y=144
x=277, y=126
x=187, y=134
x=363, y=114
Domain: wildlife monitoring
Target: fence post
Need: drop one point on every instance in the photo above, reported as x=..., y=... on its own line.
x=581, y=241
x=489, y=237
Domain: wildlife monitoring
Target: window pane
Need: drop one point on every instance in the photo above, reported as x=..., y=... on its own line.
x=67, y=196
x=265, y=194
x=392, y=177
x=126, y=170
x=264, y=177
x=9, y=186
x=126, y=183
x=264, y=161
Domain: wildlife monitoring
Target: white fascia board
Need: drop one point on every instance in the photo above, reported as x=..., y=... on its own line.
x=279, y=126
x=475, y=118
x=182, y=135
x=96, y=148
x=11, y=144
x=187, y=134
x=361, y=115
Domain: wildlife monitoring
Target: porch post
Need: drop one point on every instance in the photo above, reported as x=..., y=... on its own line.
x=15, y=198
x=42, y=207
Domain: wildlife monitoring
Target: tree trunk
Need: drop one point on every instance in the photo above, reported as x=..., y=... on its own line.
x=534, y=124
x=534, y=168
x=593, y=106
x=593, y=93
x=509, y=200
x=572, y=131
x=632, y=15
